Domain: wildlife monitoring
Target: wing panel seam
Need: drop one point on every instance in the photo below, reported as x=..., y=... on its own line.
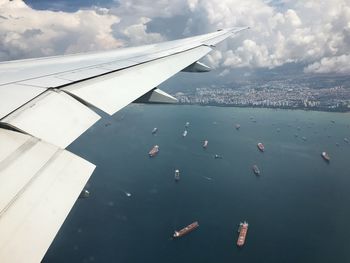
x=30, y=182
x=128, y=67
x=27, y=145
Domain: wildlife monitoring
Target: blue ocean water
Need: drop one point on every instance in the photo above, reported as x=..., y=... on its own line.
x=297, y=209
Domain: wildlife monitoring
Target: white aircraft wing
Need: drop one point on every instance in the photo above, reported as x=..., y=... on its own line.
x=45, y=104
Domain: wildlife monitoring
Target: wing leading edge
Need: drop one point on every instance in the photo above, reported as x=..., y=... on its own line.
x=45, y=102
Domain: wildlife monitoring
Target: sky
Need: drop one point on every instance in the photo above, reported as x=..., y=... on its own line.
x=313, y=34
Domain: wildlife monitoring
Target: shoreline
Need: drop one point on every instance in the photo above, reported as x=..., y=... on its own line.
x=267, y=107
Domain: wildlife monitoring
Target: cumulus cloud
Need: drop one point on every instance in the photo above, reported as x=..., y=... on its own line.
x=338, y=64
x=137, y=14
x=25, y=32
x=302, y=31
x=134, y=32
x=145, y=8
x=310, y=32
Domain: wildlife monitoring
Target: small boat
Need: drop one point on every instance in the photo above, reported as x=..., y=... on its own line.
x=261, y=147
x=84, y=194
x=177, y=175
x=216, y=156
x=205, y=144
x=184, y=133
x=346, y=140
x=325, y=156
x=154, y=131
x=153, y=152
x=238, y=126
x=243, y=229
x=186, y=230
x=256, y=169
x=187, y=124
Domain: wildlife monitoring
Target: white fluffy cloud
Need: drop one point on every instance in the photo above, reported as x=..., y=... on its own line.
x=311, y=32
x=133, y=32
x=146, y=8
x=136, y=14
x=338, y=64
x=25, y=32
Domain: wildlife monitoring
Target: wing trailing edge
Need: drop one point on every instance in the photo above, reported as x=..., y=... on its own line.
x=39, y=184
x=54, y=117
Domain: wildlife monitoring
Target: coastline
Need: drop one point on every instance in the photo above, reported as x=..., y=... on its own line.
x=335, y=110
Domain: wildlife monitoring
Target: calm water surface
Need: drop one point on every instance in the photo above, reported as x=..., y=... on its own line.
x=297, y=209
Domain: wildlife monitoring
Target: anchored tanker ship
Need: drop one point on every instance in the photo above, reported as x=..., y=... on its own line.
x=186, y=230
x=261, y=147
x=243, y=229
x=154, y=151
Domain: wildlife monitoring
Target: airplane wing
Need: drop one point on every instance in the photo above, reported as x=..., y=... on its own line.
x=46, y=103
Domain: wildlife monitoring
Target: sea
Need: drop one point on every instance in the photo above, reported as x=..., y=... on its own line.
x=298, y=209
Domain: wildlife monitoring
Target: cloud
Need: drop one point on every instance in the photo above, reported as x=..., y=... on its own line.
x=134, y=32
x=137, y=14
x=31, y=33
x=224, y=72
x=309, y=32
x=339, y=64
x=300, y=32
x=145, y=8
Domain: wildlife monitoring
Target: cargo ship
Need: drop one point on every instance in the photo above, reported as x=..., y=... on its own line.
x=184, y=133
x=154, y=151
x=154, y=131
x=325, y=156
x=238, y=126
x=261, y=147
x=205, y=144
x=186, y=230
x=242, y=230
x=256, y=169
x=177, y=175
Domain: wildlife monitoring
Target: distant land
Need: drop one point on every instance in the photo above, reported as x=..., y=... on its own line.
x=321, y=93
